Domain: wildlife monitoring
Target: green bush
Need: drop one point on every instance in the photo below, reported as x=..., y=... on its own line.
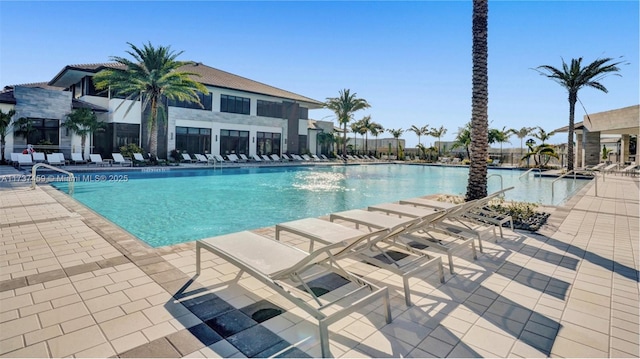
x=129, y=149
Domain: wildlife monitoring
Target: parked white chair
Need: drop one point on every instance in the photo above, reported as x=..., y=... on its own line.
x=187, y=158
x=118, y=159
x=96, y=159
x=76, y=158
x=38, y=157
x=54, y=160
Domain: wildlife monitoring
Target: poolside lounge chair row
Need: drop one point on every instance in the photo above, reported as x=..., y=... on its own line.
x=397, y=237
x=242, y=158
x=20, y=160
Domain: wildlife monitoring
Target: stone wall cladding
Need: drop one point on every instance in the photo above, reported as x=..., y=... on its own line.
x=40, y=103
x=178, y=113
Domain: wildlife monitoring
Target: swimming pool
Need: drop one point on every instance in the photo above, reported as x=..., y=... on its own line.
x=170, y=207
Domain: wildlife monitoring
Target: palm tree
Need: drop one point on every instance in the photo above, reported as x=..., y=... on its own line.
x=463, y=139
x=366, y=125
x=24, y=127
x=438, y=133
x=344, y=107
x=325, y=139
x=6, y=122
x=541, y=154
x=83, y=122
x=419, y=131
x=477, y=187
x=521, y=134
x=574, y=77
x=152, y=76
x=376, y=129
x=500, y=136
x=542, y=135
x=357, y=128
x=396, y=134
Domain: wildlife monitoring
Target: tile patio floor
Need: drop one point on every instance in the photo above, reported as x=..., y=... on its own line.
x=74, y=285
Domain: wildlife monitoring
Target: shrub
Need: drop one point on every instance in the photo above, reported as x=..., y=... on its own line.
x=129, y=149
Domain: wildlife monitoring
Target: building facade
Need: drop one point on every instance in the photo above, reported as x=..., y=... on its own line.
x=238, y=115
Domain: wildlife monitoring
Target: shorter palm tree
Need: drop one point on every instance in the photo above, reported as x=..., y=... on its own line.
x=500, y=136
x=521, y=134
x=396, y=134
x=344, y=107
x=83, y=122
x=541, y=154
x=438, y=133
x=6, y=122
x=376, y=129
x=24, y=127
x=463, y=139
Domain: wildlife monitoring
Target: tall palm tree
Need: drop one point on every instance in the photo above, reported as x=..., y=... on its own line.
x=6, y=122
x=344, y=106
x=396, y=134
x=574, y=77
x=83, y=122
x=438, y=133
x=419, y=131
x=152, y=76
x=477, y=186
x=356, y=128
x=521, y=134
x=365, y=128
x=376, y=129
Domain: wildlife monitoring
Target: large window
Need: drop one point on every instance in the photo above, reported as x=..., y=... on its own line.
x=268, y=143
x=193, y=140
x=269, y=109
x=39, y=130
x=114, y=136
x=205, y=100
x=235, y=104
x=232, y=141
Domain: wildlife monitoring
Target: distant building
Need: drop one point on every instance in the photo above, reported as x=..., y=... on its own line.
x=239, y=115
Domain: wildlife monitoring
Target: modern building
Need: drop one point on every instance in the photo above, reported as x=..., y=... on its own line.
x=238, y=115
x=597, y=129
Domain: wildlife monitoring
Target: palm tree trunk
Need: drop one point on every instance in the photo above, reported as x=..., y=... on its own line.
x=573, y=97
x=477, y=187
x=153, y=131
x=344, y=142
x=83, y=141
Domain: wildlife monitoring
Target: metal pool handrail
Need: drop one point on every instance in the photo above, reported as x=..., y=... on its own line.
x=501, y=180
x=38, y=165
x=574, y=172
x=529, y=170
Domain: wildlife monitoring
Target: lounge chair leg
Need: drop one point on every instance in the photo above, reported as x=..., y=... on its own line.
x=450, y=263
x=441, y=271
x=198, y=258
x=480, y=245
x=407, y=292
x=324, y=339
x=473, y=249
x=387, y=305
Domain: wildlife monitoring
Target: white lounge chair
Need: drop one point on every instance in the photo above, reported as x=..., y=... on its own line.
x=139, y=158
x=61, y=157
x=25, y=160
x=447, y=243
x=627, y=170
x=266, y=158
x=54, y=160
x=38, y=157
x=288, y=271
x=14, y=159
x=187, y=158
x=233, y=158
x=413, y=263
x=297, y=157
x=219, y=159
x=77, y=158
x=286, y=157
x=257, y=158
x=243, y=157
x=96, y=159
x=201, y=158
x=306, y=158
x=610, y=168
x=597, y=167
x=118, y=159
x=316, y=158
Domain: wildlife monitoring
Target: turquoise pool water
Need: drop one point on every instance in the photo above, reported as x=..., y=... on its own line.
x=164, y=208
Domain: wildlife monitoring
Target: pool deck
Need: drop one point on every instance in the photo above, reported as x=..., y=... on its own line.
x=72, y=284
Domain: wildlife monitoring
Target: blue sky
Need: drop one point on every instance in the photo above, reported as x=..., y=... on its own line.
x=410, y=60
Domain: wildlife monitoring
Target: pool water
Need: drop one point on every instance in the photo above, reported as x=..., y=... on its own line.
x=165, y=208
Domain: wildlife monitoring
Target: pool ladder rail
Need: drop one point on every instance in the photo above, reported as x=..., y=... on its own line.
x=574, y=172
x=38, y=165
